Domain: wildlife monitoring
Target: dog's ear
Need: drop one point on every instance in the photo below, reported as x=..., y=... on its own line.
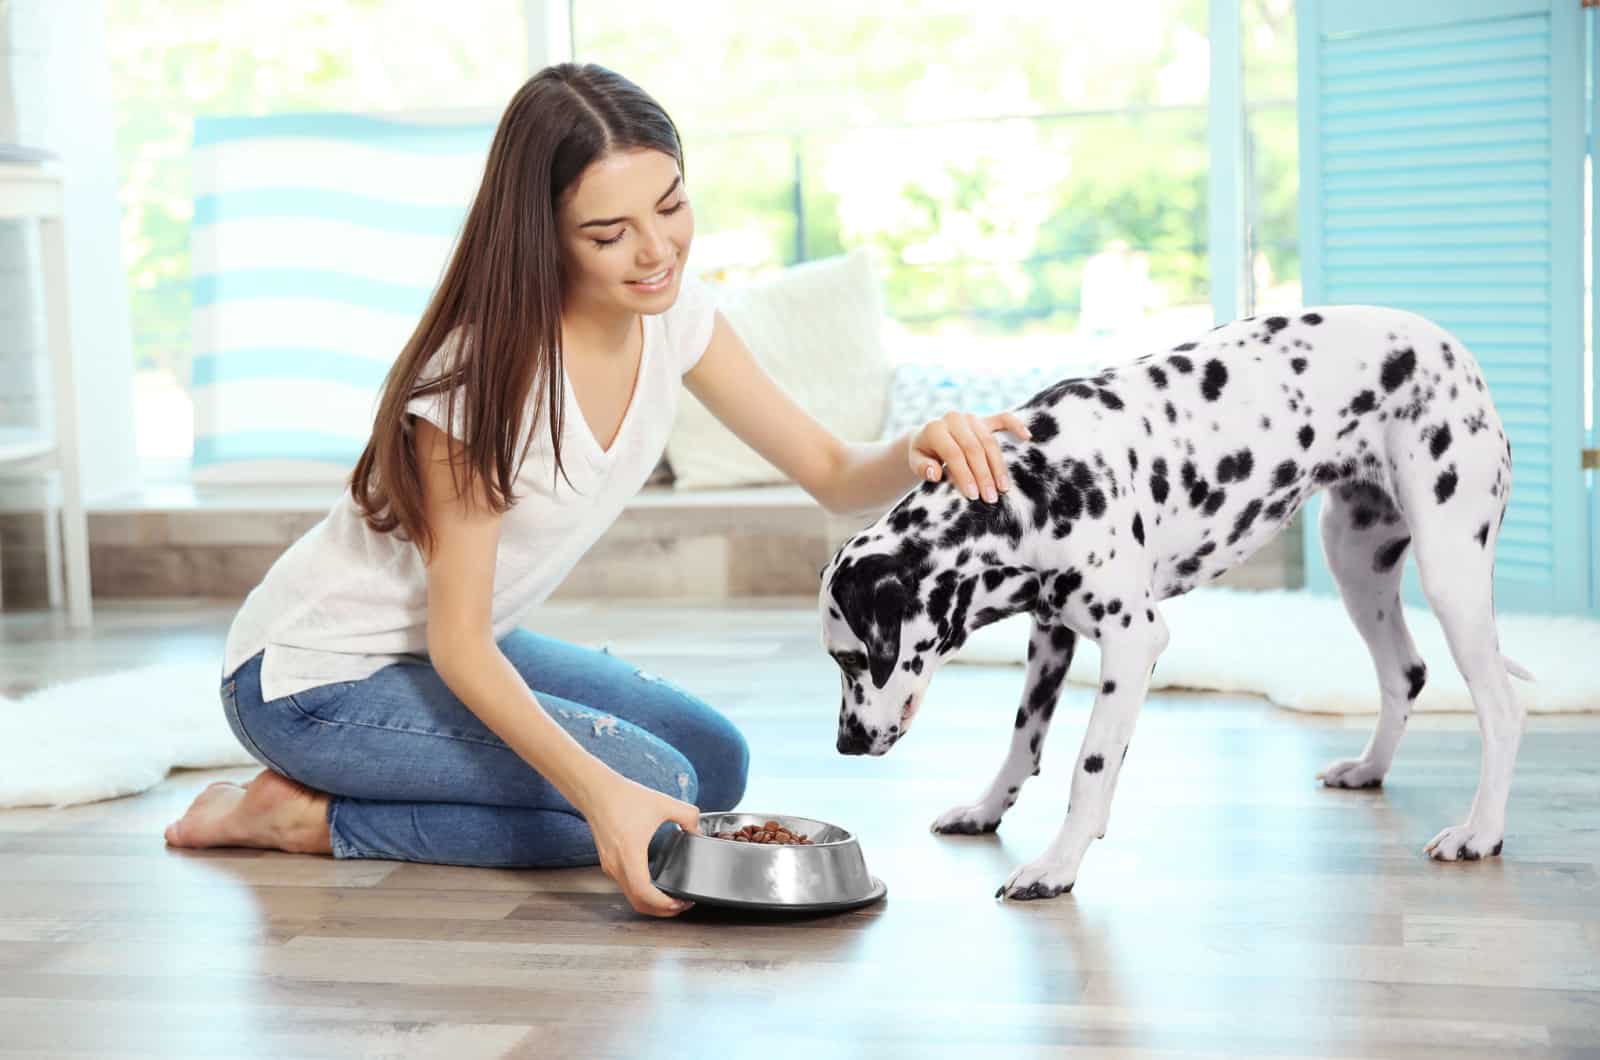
x=889, y=606
x=874, y=599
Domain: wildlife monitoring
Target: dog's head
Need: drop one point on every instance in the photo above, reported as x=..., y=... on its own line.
x=897, y=600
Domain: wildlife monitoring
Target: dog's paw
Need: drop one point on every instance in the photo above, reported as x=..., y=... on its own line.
x=1351, y=773
x=1039, y=879
x=966, y=820
x=1464, y=843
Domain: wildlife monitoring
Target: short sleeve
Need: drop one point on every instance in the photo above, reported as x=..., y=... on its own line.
x=688, y=324
x=432, y=407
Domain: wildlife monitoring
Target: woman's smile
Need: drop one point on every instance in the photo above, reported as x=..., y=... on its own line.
x=659, y=281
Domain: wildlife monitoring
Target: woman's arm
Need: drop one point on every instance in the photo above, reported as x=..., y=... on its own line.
x=844, y=477
x=622, y=814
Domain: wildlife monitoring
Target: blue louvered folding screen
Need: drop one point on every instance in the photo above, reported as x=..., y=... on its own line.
x=1441, y=172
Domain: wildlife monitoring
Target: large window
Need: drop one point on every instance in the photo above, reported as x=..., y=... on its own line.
x=1033, y=179
x=175, y=60
x=1272, y=144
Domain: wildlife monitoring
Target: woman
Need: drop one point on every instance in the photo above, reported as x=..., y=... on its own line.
x=377, y=671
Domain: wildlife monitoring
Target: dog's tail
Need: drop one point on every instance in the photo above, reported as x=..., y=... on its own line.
x=1516, y=669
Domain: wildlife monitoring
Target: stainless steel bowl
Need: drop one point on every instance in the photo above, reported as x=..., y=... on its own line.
x=828, y=874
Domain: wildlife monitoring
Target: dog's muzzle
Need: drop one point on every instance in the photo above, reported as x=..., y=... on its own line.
x=854, y=742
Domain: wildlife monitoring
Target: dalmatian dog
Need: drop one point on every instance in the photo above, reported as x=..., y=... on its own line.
x=1148, y=479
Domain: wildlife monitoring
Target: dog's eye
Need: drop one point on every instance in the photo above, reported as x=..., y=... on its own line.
x=850, y=662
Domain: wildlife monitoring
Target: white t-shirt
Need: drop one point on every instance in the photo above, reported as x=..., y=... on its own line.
x=344, y=600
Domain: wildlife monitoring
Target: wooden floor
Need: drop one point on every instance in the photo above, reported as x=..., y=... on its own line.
x=1235, y=908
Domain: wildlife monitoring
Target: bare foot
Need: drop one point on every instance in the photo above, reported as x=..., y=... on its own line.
x=272, y=812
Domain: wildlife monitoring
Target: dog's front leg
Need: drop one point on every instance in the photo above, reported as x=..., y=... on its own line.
x=1126, y=660
x=1049, y=656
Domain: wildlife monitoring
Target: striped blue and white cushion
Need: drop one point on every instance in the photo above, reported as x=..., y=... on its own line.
x=316, y=242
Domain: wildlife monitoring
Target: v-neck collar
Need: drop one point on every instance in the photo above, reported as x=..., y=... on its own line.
x=590, y=443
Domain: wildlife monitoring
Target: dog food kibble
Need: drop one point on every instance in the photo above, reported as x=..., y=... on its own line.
x=770, y=832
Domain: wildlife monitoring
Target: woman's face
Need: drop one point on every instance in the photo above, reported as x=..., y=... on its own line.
x=626, y=226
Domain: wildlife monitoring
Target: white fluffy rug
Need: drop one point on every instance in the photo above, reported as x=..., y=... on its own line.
x=120, y=733
x=116, y=734
x=1301, y=651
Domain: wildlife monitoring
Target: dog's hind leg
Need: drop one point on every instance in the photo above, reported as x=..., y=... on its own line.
x=1049, y=656
x=1127, y=657
x=1365, y=539
x=1455, y=556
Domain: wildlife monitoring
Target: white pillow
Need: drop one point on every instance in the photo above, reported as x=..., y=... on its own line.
x=815, y=328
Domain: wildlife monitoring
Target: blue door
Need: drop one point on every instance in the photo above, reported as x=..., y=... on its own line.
x=1441, y=167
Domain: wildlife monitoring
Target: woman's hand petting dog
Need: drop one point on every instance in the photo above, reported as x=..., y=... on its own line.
x=962, y=445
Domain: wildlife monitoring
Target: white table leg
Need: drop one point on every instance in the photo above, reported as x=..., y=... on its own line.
x=52, y=554
x=74, y=525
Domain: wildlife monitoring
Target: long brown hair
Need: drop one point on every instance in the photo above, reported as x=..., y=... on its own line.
x=499, y=303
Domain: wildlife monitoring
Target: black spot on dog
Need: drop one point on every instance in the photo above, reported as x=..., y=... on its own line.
x=1298, y=364
x=1093, y=764
x=904, y=518
x=1184, y=347
x=1311, y=318
x=1138, y=528
x=1149, y=616
x=1276, y=324
x=1416, y=677
x=1189, y=567
x=1440, y=441
x=1216, y=377
x=1158, y=481
x=1172, y=413
x=1182, y=364
x=1284, y=474
x=1363, y=402
x=1243, y=521
x=1097, y=612
x=1387, y=556
x=1215, y=501
x=1157, y=376
x=1364, y=518
x=1043, y=427
x=1108, y=399
x=1307, y=436
x=976, y=520
x=1444, y=487
x=1483, y=535
x=993, y=579
x=1397, y=368
x=1108, y=688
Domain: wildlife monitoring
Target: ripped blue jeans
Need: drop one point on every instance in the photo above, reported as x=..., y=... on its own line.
x=413, y=775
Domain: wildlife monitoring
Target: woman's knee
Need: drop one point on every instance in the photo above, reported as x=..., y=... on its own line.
x=722, y=763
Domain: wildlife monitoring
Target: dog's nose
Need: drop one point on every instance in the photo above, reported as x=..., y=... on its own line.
x=853, y=743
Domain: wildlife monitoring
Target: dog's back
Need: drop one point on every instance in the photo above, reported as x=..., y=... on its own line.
x=1201, y=453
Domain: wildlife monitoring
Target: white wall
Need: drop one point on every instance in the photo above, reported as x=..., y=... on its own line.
x=55, y=94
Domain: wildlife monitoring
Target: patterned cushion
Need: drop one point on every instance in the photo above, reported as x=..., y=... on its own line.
x=921, y=392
